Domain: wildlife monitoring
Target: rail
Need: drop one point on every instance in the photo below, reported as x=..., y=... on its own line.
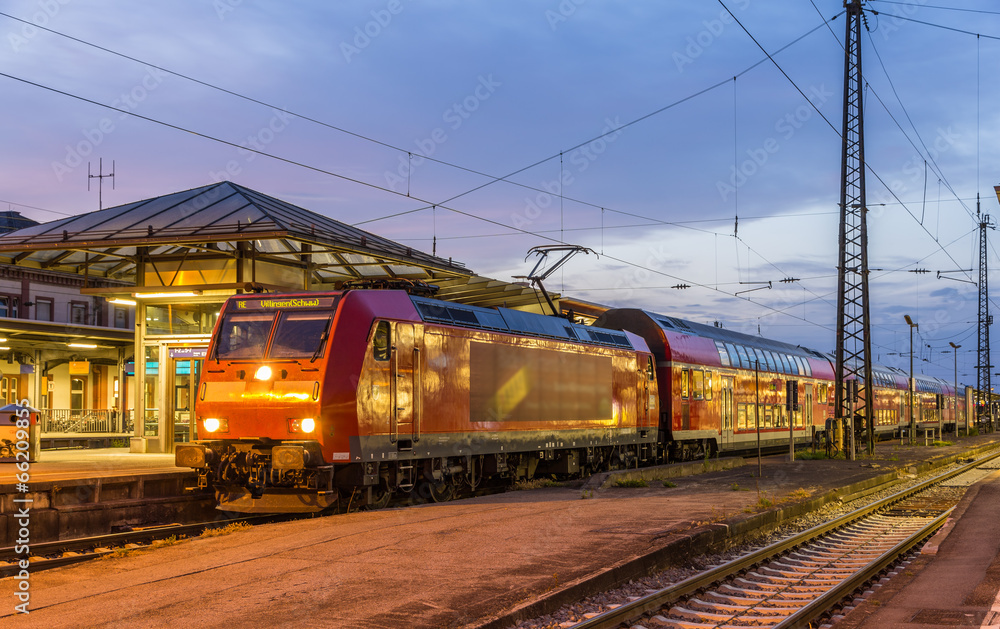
x=650, y=603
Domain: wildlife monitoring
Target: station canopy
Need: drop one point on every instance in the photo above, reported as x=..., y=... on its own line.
x=225, y=237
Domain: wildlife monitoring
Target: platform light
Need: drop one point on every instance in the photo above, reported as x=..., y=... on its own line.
x=81, y=345
x=192, y=293
x=263, y=373
x=122, y=302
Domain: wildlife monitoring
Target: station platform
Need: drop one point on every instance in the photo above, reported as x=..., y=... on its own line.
x=93, y=491
x=955, y=580
x=484, y=562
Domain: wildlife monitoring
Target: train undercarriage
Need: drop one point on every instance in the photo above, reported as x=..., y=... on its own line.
x=291, y=477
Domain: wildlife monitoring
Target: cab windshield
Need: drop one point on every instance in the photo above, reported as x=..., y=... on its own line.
x=298, y=335
x=243, y=335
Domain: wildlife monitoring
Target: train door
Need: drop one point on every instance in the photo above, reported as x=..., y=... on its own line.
x=726, y=411
x=404, y=425
x=807, y=409
x=646, y=375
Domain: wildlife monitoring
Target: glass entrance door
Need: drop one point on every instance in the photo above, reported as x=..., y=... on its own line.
x=186, y=374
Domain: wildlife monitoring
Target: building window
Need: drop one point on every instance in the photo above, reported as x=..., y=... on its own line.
x=8, y=306
x=8, y=389
x=77, y=392
x=121, y=317
x=43, y=309
x=78, y=312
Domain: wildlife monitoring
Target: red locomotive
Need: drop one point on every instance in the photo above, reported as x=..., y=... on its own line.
x=314, y=398
x=307, y=399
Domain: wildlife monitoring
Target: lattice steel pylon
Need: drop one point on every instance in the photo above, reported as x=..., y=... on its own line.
x=983, y=366
x=853, y=320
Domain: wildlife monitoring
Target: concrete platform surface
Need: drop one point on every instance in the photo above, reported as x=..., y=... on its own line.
x=954, y=582
x=458, y=564
x=57, y=465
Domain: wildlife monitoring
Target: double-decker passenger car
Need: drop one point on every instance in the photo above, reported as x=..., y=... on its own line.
x=717, y=386
x=307, y=399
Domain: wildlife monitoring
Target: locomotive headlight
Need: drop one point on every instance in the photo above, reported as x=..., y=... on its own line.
x=213, y=424
x=302, y=425
x=263, y=373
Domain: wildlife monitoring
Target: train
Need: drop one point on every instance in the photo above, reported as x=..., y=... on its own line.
x=320, y=400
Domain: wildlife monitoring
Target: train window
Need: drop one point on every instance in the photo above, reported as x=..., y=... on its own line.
x=823, y=399
x=300, y=335
x=650, y=370
x=243, y=335
x=761, y=359
x=697, y=384
x=772, y=361
x=768, y=417
x=785, y=365
x=684, y=383
x=734, y=356
x=723, y=354
x=746, y=358
x=380, y=341
x=708, y=385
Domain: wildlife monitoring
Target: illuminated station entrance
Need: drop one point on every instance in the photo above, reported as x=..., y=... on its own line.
x=175, y=259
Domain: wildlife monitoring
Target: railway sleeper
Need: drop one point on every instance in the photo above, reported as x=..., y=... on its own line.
x=728, y=607
x=769, y=587
x=756, y=618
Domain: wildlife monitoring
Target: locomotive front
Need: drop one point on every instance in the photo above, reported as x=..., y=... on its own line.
x=259, y=408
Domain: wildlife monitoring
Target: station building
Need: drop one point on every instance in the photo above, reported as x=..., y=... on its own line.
x=106, y=316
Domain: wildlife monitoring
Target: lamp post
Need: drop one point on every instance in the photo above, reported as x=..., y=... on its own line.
x=956, y=348
x=913, y=425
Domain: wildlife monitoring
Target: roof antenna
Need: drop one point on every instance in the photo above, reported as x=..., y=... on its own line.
x=100, y=180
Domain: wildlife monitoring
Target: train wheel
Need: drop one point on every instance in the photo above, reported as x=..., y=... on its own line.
x=381, y=496
x=437, y=491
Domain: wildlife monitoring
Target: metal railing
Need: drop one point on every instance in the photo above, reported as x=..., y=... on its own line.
x=86, y=421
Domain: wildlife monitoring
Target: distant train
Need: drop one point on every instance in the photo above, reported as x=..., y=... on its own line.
x=311, y=400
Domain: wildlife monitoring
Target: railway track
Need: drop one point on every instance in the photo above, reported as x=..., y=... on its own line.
x=803, y=579
x=53, y=554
